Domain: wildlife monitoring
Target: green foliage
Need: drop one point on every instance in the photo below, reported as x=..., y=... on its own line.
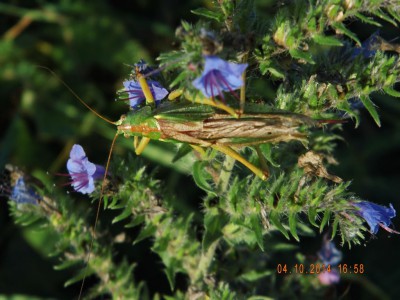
x=223, y=244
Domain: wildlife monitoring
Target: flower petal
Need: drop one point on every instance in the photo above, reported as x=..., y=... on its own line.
x=329, y=278
x=77, y=152
x=375, y=214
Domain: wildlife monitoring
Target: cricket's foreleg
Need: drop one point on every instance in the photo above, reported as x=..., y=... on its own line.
x=232, y=153
x=145, y=88
x=142, y=144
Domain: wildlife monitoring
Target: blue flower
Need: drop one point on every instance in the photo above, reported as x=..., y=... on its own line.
x=329, y=254
x=21, y=193
x=136, y=95
x=143, y=67
x=219, y=75
x=368, y=47
x=376, y=215
x=82, y=171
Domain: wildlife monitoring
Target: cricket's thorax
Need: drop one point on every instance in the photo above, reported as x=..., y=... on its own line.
x=133, y=125
x=137, y=129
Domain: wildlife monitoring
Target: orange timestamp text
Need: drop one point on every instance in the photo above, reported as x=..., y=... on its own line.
x=284, y=269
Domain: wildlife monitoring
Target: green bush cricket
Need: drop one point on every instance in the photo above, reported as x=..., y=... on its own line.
x=213, y=125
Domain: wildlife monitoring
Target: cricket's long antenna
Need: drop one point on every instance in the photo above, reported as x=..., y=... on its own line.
x=76, y=96
x=97, y=216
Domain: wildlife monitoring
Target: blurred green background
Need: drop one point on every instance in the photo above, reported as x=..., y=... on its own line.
x=89, y=44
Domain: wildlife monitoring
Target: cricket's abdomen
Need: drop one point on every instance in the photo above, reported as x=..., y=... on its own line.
x=246, y=131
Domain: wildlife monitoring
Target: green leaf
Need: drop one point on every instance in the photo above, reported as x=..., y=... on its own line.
x=327, y=40
x=169, y=271
x=275, y=73
x=253, y=275
x=281, y=247
x=302, y=55
x=200, y=176
x=182, y=151
x=86, y=272
x=125, y=213
x=214, y=221
x=208, y=14
x=392, y=92
x=274, y=218
x=347, y=32
x=370, y=106
x=293, y=225
x=257, y=229
x=146, y=232
x=325, y=220
x=367, y=20
x=384, y=16
x=395, y=15
x=67, y=264
x=267, y=151
x=312, y=215
x=260, y=298
x=178, y=79
x=334, y=227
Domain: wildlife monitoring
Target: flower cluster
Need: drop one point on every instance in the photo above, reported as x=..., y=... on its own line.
x=330, y=256
x=23, y=194
x=83, y=173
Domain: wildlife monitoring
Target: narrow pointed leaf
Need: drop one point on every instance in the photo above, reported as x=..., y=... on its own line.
x=327, y=40
x=293, y=225
x=334, y=227
x=257, y=229
x=208, y=14
x=312, y=215
x=275, y=220
x=200, y=176
x=325, y=220
x=347, y=32
x=146, y=232
x=384, y=16
x=302, y=55
x=392, y=92
x=369, y=105
x=368, y=20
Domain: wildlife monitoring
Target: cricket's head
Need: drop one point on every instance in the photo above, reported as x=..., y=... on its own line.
x=139, y=123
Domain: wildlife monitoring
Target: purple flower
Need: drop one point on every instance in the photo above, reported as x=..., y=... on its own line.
x=376, y=215
x=82, y=171
x=329, y=254
x=21, y=193
x=219, y=75
x=329, y=277
x=330, y=257
x=136, y=95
